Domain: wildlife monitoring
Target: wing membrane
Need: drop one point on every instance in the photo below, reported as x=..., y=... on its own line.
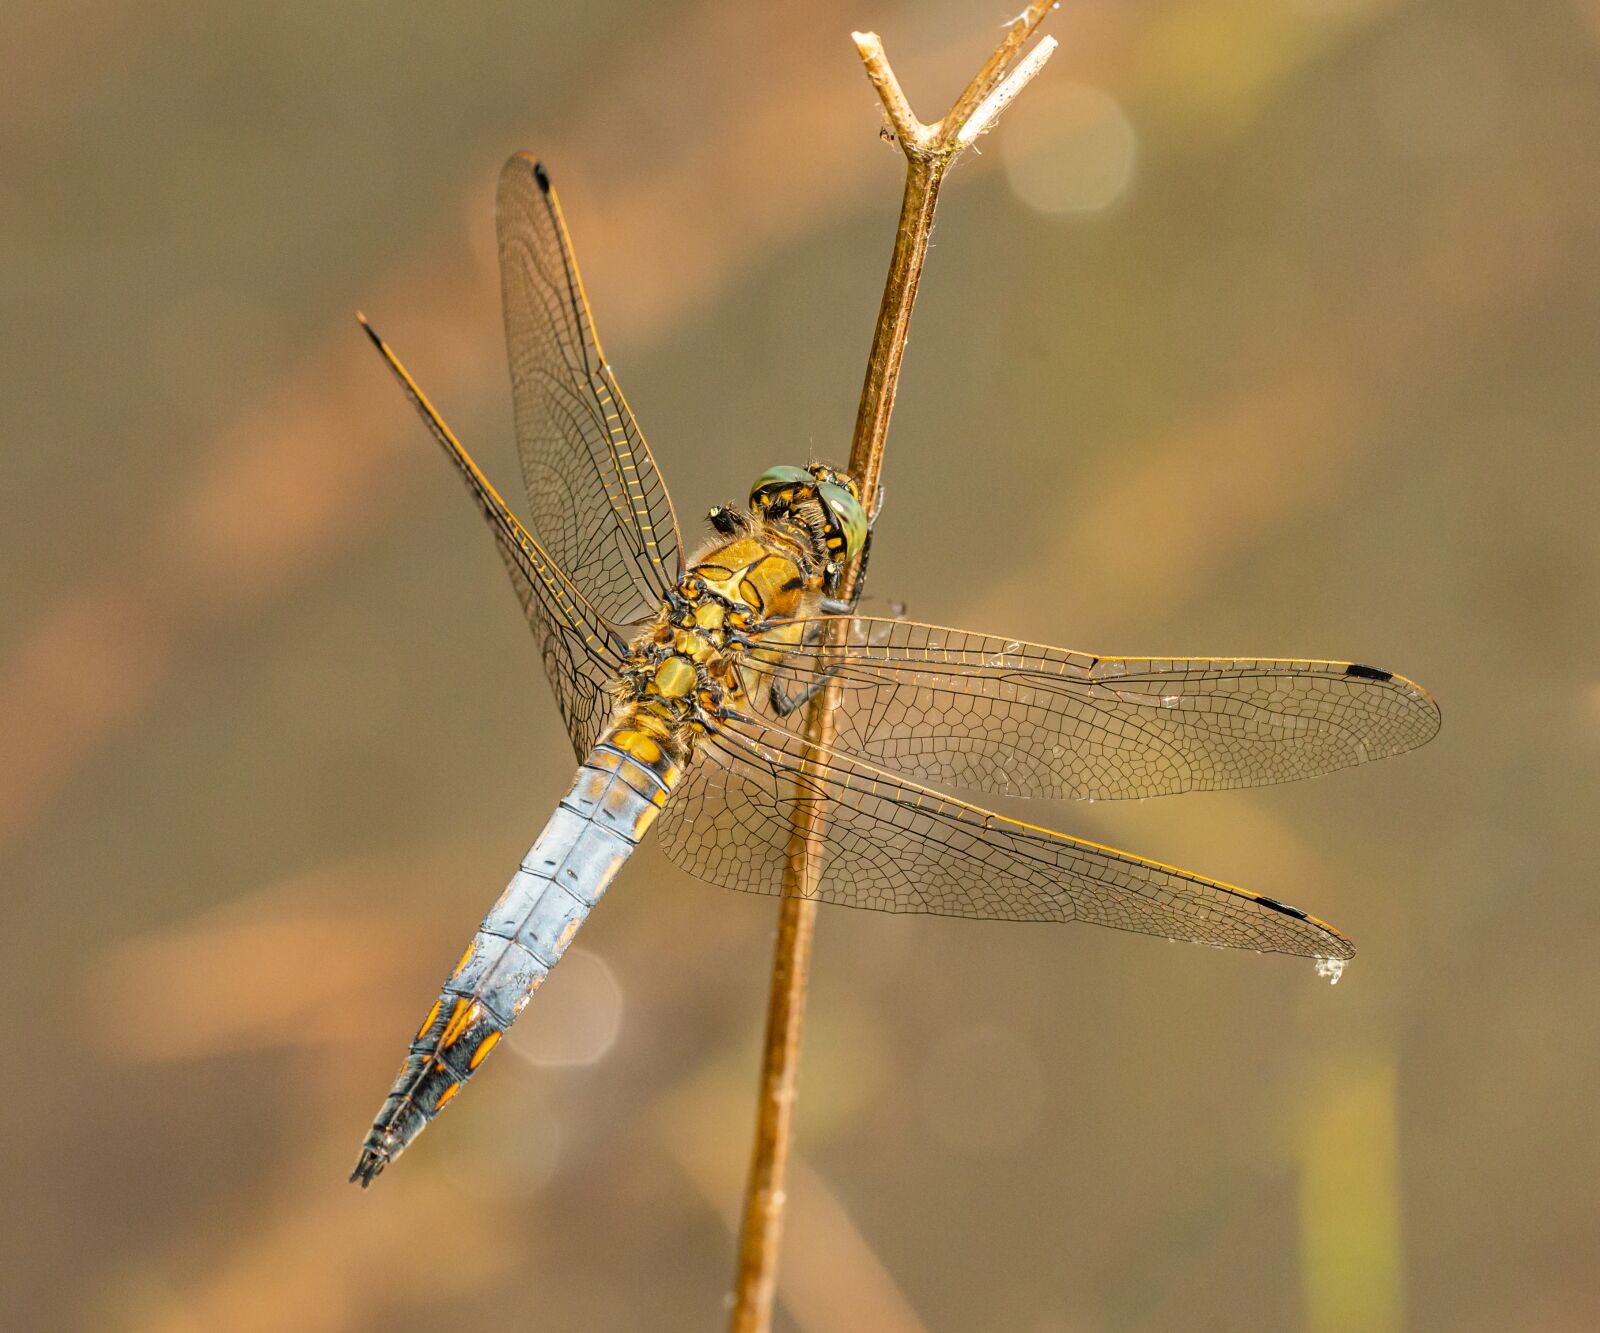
x=953, y=708
x=899, y=847
x=581, y=650
x=596, y=498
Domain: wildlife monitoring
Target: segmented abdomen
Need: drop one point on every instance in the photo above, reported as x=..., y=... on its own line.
x=620, y=789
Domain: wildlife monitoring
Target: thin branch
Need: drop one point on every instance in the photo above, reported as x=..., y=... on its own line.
x=997, y=101
x=907, y=128
x=1017, y=33
x=929, y=151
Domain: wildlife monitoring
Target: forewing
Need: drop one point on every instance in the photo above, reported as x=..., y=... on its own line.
x=596, y=500
x=952, y=708
x=899, y=847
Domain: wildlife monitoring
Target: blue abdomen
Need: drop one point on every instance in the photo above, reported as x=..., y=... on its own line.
x=620, y=789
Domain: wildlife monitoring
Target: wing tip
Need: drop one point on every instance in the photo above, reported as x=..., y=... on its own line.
x=1418, y=695
x=1332, y=942
x=522, y=164
x=366, y=325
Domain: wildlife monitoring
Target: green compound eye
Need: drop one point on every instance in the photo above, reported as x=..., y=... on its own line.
x=847, y=513
x=777, y=479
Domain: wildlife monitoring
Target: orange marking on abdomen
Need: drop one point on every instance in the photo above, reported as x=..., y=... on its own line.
x=463, y=962
x=445, y=1096
x=484, y=1047
x=460, y=1016
x=428, y=1021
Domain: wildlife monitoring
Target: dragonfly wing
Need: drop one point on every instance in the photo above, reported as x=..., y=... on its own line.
x=581, y=666
x=953, y=708
x=899, y=847
x=582, y=651
x=597, y=500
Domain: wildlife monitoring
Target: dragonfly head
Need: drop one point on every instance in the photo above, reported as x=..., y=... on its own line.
x=816, y=493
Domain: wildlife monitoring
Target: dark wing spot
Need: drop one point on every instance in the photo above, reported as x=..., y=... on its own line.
x=1276, y=906
x=1367, y=673
x=542, y=176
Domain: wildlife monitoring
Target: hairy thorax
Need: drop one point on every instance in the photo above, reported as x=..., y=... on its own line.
x=694, y=660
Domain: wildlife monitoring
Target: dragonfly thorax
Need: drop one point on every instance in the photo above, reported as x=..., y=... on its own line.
x=739, y=600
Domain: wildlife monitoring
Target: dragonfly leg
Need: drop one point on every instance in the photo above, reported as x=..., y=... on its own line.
x=784, y=703
x=837, y=606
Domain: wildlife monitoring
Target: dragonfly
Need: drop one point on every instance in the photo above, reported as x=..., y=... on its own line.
x=680, y=680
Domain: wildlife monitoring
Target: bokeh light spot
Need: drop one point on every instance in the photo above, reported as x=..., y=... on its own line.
x=1069, y=148
x=577, y=1016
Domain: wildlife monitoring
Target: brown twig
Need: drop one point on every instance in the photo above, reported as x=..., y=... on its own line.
x=929, y=150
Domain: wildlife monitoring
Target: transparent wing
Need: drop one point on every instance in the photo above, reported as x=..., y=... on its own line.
x=953, y=708
x=899, y=847
x=597, y=501
x=581, y=650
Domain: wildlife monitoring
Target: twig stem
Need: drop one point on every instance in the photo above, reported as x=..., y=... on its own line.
x=924, y=175
x=929, y=150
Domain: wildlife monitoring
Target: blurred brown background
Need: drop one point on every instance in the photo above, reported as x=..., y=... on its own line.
x=1260, y=326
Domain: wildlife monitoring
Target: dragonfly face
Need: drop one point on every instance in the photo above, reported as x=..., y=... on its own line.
x=693, y=718
x=825, y=502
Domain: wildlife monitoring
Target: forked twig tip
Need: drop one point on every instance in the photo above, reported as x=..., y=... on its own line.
x=983, y=115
